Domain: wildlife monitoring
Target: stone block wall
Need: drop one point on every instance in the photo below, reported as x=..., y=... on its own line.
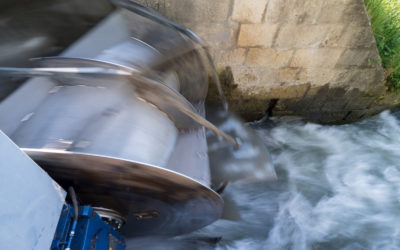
x=314, y=58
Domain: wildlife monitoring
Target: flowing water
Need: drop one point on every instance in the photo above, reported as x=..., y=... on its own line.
x=338, y=187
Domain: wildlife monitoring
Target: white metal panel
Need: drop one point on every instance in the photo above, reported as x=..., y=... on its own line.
x=30, y=201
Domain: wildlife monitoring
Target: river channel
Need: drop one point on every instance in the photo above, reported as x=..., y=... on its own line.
x=338, y=187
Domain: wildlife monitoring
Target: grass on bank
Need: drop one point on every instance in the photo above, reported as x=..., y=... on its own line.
x=385, y=21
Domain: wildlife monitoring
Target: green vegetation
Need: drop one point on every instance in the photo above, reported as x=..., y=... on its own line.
x=385, y=21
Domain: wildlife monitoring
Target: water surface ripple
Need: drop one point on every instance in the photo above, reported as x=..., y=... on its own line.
x=338, y=188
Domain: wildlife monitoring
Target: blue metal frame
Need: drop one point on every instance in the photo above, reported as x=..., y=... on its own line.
x=91, y=232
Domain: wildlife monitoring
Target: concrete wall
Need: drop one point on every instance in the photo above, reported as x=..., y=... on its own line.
x=315, y=58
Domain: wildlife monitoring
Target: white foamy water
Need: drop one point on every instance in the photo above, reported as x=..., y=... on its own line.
x=338, y=188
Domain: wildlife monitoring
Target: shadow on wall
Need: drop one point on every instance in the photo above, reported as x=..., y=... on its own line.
x=321, y=104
